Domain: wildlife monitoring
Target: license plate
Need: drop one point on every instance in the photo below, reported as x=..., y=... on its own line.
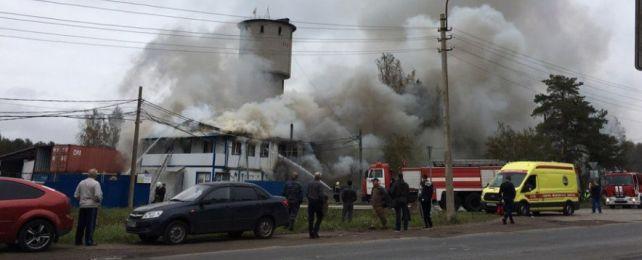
x=491, y=204
x=131, y=223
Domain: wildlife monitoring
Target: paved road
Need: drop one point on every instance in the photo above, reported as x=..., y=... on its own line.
x=615, y=241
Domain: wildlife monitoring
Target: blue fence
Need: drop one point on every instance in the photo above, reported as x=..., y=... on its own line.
x=115, y=188
x=273, y=187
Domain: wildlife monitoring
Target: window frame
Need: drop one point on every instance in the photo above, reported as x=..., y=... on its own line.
x=38, y=193
x=251, y=149
x=264, y=150
x=236, y=145
x=209, y=200
x=237, y=188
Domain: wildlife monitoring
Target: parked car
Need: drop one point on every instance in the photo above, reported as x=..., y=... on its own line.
x=216, y=207
x=33, y=216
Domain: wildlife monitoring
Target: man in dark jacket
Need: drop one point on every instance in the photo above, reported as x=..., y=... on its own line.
x=425, y=198
x=507, y=192
x=379, y=200
x=399, y=192
x=293, y=192
x=159, y=192
x=316, y=199
x=596, y=196
x=348, y=197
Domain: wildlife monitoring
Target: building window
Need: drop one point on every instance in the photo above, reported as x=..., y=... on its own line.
x=251, y=149
x=207, y=146
x=236, y=148
x=265, y=149
x=202, y=177
x=279, y=30
x=262, y=29
x=186, y=145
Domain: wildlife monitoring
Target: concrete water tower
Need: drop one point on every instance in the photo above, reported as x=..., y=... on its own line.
x=268, y=44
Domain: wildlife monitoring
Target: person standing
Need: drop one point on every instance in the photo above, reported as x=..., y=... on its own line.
x=507, y=192
x=400, y=191
x=293, y=192
x=89, y=195
x=380, y=200
x=337, y=192
x=316, y=200
x=348, y=197
x=425, y=198
x=159, y=192
x=596, y=196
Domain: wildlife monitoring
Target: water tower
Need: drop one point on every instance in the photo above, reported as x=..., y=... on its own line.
x=266, y=46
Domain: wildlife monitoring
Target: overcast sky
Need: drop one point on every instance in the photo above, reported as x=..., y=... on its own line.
x=36, y=69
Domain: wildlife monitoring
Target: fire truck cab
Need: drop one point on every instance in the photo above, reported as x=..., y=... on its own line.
x=380, y=171
x=623, y=189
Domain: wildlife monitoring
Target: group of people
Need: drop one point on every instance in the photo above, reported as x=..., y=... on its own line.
x=398, y=198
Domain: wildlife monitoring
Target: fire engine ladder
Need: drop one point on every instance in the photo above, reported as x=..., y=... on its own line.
x=161, y=170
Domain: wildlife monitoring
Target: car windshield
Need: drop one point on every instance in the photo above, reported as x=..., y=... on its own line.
x=190, y=194
x=516, y=178
x=619, y=179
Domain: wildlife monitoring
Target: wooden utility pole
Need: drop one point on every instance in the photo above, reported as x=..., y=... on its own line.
x=132, y=171
x=360, y=137
x=450, y=194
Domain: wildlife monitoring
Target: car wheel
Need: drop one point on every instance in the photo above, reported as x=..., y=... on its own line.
x=264, y=228
x=473, y=202
x=36, y=235
x=148, y=239
x=175, y=233
x=523, y=209
x=568, y=209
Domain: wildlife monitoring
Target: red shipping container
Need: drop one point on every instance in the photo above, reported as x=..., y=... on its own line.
x=75, y=158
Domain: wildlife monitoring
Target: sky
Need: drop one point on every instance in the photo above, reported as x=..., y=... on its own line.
x=47, y=70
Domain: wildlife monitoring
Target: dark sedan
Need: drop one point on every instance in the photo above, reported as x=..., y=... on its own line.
x=217, y=207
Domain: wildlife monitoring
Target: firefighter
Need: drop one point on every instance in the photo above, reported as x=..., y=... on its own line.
x=507, y=192
x=348, y=197
x=380, y=201
x=399, y=192
x=293, y=192
x=337, y=192
x=426, y=201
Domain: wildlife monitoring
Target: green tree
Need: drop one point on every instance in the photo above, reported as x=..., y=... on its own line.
x=99, y=129
x=572, y=124
x=510, y=145
x=391, y=73
x=397, y=150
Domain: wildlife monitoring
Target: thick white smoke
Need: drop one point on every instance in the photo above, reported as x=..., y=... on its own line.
x=352, y=98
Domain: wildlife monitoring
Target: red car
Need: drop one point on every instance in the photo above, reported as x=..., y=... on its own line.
x=32, y=216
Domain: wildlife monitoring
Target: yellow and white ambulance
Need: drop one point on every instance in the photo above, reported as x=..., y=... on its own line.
x=540, y=186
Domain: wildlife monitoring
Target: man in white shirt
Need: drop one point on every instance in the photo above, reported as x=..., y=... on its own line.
x=89, y=196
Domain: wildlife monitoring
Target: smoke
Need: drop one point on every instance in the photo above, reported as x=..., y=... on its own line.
x=350, y=97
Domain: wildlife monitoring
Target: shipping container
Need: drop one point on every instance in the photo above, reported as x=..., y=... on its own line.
x=75, y=158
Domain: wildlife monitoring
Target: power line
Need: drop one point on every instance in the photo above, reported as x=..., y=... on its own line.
x=211, y=20
x=70, y=100
x=249, y=17
x=478, y=39
x=196, y=34
x=274, y=51
x=373, y=52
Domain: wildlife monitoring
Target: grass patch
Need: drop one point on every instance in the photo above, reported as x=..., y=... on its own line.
x=111, y=223
x=363, y=219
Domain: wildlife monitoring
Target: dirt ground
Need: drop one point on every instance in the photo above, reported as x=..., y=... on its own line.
x=207, y=244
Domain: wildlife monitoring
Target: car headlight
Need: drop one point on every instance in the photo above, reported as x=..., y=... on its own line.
x=608, y=200
x=153, y=214
x=634, y=199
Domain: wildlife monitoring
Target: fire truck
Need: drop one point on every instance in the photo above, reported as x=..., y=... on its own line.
x=623, y=189
x=469, y=179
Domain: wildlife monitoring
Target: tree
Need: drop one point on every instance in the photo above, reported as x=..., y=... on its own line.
x=572, y=124
x=510, y=145
x=399, y=150
x=391, y=73
x=101, y=130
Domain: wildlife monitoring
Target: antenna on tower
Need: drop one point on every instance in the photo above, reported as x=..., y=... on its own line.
x=267, y=15
x=254, y=13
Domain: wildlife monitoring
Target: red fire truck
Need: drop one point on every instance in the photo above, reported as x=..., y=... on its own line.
x=469, y=178
x=623, y=189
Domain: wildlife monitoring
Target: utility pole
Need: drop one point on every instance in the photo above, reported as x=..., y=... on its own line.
x=430, y=162
x=360, y=136
x=132, y=171
x=450, y=194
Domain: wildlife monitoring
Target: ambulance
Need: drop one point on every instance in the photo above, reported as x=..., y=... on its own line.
x=540, y=186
